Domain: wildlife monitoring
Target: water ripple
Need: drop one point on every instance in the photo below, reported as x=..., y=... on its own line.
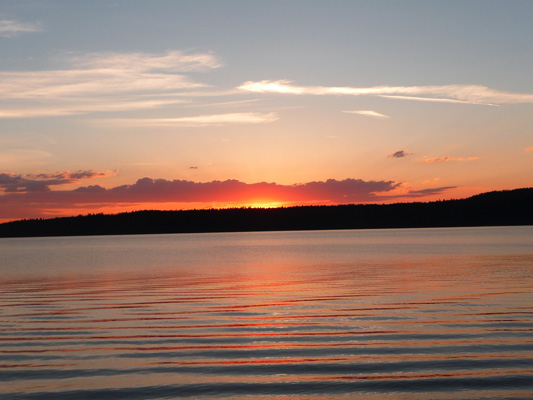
x=440, y=327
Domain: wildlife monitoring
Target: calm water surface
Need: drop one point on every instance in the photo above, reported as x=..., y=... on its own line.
x=376, y=314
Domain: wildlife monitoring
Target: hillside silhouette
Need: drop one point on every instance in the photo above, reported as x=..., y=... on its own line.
x=513, y=207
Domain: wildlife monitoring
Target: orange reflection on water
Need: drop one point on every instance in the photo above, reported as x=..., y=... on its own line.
x=283, y=316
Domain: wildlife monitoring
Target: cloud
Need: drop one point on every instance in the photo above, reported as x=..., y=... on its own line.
x=171, y=61
x=161, y=190
x=400, y=154
x=80, y=83
x=193, y=167
x=11, y=28
x=226, y=104
x=530, y=148
x=41, y=182
x=103, y=82
x=32, y=196
x=199, y=120
x=438, y=159
x=434, y=100
x=471, y=94
x=428, y=192
x=368, y=113
x=447, y=159
x=281, y=86
x=88, y=106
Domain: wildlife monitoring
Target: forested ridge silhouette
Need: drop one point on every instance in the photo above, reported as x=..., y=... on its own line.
x=510, y=207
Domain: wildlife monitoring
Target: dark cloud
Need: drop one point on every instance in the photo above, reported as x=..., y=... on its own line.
x=193, y=167
x=161, y=190
x=34, y=203
x=11, y=183
x=400, y=154
x=147, y=190
x=70, y=176
x=429, y=192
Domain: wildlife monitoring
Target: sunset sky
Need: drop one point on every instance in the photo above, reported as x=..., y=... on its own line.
x=118, y=105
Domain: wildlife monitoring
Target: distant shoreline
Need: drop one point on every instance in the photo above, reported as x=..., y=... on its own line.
x=501, y=208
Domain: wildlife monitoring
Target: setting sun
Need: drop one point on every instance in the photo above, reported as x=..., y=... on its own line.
x=177, y=116
x=266, y=199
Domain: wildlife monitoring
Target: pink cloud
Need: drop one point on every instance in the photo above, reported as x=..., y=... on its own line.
x=447, y=159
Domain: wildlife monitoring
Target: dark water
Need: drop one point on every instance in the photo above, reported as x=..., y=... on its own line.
x=381, y=314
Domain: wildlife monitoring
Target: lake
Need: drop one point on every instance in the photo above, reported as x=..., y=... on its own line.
x=441, y=313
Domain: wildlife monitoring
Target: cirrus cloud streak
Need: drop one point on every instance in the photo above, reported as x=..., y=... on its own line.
x=198, y=120
x=368, y=113
x=470, y=94
x=103, y=82
x=11, y=28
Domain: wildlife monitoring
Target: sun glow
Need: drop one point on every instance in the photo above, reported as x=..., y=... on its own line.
x=266, y=204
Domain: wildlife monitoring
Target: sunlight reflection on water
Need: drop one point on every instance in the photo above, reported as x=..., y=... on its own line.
x=403, y=314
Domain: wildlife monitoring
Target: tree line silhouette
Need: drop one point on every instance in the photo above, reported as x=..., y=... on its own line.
x=513, y=207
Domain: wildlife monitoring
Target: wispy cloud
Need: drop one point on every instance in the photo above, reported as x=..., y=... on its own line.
x=399, y=154
x=103, y=82
x=199, y=120
x=11, y=28
x=530, y=148
x=79, y=83
x=225, y=104
x=171, y=61
x=448, y=159
x=434, y=100
x=368, y=113
x=89, y=106
x=470, y=94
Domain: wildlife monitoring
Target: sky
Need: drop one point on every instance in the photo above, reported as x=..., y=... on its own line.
x=120, y=105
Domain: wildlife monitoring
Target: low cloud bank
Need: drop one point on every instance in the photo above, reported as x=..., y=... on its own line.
x=31, y=196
